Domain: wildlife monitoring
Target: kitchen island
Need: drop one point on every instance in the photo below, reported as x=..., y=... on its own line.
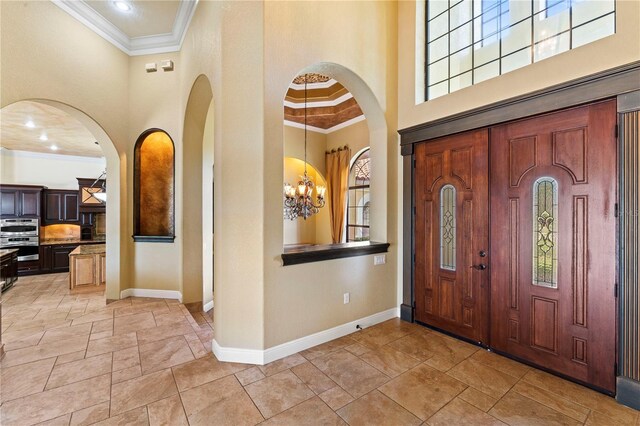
x=87, y=267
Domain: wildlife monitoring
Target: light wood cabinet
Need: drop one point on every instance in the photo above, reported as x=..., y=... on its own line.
x=87, y=266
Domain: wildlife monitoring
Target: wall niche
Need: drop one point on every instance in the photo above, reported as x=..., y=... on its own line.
x=154, y=187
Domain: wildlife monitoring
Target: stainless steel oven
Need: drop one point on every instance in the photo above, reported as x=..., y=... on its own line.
x=21, y=234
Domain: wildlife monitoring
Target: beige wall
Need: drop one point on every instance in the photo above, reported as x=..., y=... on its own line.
x=361, y=38
x=618, y=49
x=355, y=136
x=58, y=59
x=52, y=171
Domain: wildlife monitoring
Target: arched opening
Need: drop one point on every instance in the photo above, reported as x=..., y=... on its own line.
x=116, y=172
x=154, y=187
x=197, y=202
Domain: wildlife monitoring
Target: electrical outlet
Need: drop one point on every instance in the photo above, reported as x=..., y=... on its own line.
x=380, y=259
x=345, y=298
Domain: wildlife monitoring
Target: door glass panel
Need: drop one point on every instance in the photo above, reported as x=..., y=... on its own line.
x=545, y=232
x=448, y=228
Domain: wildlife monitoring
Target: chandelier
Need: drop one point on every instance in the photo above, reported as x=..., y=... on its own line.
x=298, y=200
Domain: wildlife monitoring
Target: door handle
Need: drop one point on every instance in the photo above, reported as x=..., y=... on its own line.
x=480, y=267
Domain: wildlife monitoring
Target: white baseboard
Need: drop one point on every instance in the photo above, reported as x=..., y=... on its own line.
x=147, y=292
x=207, y=306
x=261, y=357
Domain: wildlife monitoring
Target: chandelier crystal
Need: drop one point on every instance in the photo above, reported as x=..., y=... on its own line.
x=298, y=200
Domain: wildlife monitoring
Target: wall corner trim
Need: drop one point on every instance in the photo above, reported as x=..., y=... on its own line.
x=262, y=357
x=147, y=292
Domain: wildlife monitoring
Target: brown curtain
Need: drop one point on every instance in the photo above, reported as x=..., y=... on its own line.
x=337, y=162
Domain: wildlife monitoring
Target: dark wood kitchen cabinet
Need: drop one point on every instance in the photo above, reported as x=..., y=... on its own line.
x=45, y=259
x=8, y=269
x=20, y=201
x=60, y=257
x=61, y=206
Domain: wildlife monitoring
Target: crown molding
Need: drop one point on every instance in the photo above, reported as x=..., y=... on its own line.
x=324, y=85
x=318, y=104
x=135, y=46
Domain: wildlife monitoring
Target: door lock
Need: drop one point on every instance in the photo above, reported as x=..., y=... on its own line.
x=482, y=253
x=480, y=267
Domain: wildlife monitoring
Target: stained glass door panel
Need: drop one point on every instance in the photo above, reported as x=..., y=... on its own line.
x=553, y=194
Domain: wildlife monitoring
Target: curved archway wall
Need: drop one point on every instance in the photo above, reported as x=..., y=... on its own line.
x=197, y=224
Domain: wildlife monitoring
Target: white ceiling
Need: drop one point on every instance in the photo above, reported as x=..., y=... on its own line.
x=151, y=26
x=62, y=131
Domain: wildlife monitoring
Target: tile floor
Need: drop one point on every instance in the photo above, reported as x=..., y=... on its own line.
x=72, y=360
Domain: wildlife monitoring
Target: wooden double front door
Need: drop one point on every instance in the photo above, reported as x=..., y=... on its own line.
x=515, y=235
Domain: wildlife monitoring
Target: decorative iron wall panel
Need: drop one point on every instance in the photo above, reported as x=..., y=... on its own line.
x=630, y=245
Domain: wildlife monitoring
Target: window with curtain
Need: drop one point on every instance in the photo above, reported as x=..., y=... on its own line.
x=469, y=41
x=358, y=204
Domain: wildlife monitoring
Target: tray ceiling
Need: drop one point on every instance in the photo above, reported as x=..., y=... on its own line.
x=61, y=130
x=330, y=106
x=150, y=26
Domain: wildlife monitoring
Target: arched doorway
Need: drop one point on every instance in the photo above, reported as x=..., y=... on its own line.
x=115, y=171
x=197, y=202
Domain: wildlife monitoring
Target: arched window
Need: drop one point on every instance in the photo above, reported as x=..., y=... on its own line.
x=154, y=187
x=358, y=204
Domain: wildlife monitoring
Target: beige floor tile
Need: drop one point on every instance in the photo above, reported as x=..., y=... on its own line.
x=327, y=348
x=350, y=372
x=48, y=350
x=25, y=379
x=90, y=415
x=501, y=363
x=57, y=402
x=168, y=318
x=478, y=399
x=111, y=344
x=56, y=334
x=376, y=408
x=311, y=376
x=126, y=374
x=249, y=375
x=336, y=397
x=515, y=409
x=136, y=417
x=58, y=421
x=126, y=358
x=224, y=400
x=168, y=411
x=486, y=379
x=77, y=371
x=380, y=335
x=135, y=322
x=93, y=316
x=102, y=326
x=282, y=364
x=73, y=356
x=423, y=390
x=581, y=395
x=164, y=354
x=597, y=419
x=196, y=345
x=142, y=391
x=100, y=335
x=390, y=361
x=149, y=335
x=203, y=370
x=458, y=412
x=11, y=344
x=277, y=393
x=357, y=349
x=302, y=413
x=558, y=403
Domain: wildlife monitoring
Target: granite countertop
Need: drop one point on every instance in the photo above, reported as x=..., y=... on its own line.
x=89, y=249
x=5, y=252
x=51, y=242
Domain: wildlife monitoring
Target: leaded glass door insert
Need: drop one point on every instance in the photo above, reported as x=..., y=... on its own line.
x=448, y=227
x=545, y=232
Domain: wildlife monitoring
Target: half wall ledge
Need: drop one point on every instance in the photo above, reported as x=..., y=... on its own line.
x=318, y=253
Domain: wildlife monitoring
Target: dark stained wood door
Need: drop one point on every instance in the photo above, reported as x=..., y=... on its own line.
x=451, y=234
x=553, y=242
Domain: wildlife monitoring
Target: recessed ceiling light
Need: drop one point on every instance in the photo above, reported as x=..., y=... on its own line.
x=30, y=124
x=53, y=148
x=123, y=6
x=43, y=137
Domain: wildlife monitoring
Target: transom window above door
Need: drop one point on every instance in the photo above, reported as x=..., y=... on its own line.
x=469, y=41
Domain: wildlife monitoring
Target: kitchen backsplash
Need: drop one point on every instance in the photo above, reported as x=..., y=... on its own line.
x=59, y=232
